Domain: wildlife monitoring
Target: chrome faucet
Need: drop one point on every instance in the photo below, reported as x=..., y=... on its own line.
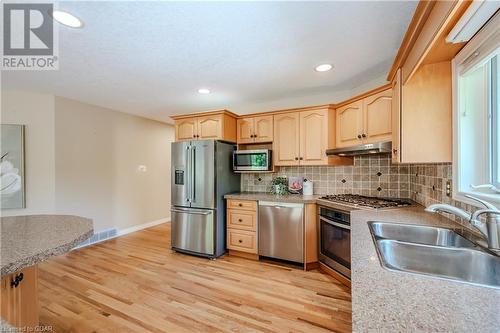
x=492, y=225
x=490, y=229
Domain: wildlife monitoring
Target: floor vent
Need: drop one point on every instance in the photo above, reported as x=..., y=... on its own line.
x=99, y=237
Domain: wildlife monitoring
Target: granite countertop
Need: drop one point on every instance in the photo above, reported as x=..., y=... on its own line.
x=28, y=240
x=262, y=196
x=388, y=301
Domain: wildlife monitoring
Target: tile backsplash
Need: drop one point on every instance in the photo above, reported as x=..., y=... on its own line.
x=372, y=176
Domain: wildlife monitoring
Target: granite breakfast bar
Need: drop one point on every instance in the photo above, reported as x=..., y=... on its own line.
x=26, y=241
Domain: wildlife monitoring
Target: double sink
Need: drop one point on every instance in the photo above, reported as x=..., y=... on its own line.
x=434, y=251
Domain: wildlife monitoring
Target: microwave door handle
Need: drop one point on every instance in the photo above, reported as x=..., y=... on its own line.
x=340, y=225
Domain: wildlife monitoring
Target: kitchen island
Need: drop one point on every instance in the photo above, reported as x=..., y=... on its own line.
x=26, y=241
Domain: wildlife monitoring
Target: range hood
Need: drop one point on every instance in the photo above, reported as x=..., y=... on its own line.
x=366, y=149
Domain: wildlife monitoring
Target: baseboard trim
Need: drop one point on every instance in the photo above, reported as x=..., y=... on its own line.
x=142, y=226
x=126, y=231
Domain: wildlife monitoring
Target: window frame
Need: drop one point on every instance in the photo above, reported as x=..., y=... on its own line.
x=495, y=126
x=486, y=41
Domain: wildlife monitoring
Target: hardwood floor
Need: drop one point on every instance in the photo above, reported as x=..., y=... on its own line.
x=135, y=283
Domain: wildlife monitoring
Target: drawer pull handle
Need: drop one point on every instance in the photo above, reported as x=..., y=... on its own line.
x=15, y=282
x=240, y=220
x=241, y=205
x=240, y=241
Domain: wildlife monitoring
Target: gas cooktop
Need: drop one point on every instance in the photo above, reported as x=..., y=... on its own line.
x=363, y=201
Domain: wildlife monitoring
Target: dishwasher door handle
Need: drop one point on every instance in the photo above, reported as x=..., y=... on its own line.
x=280, y=204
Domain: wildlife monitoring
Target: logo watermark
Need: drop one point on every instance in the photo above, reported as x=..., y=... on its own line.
x=29, y=37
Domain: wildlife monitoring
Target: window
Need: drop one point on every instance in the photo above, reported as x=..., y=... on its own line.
x=476, y=93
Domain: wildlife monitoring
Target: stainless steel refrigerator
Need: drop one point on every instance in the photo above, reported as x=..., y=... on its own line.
x=202, y=174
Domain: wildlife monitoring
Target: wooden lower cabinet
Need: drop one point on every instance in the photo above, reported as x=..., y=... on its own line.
x=241, y=219
x=242, y=231
x=242, y=204
x=19, y=304
x=242, y=234
x=242, y=240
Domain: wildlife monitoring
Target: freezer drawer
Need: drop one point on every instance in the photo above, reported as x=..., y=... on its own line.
x=281, y=231
x=193, y=230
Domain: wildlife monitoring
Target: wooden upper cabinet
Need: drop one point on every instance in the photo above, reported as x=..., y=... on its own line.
x=396, y=118
x=245, y=130
x=366, y=120
x=349, y=124
x=218, y=125
x=263, y=129
x=255, y=129
x=377, y=117
x=186, y=129
x=426, y=115
x=286, y=145
x=313, y=137
x=210, y=127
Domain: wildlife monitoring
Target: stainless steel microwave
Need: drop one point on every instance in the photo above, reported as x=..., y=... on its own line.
x=252, y=160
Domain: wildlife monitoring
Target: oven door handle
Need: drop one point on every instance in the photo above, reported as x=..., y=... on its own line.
x=340, y=225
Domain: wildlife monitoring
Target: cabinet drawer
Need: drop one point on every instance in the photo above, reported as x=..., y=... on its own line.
x=241, y=219
x=242, y=204
x=240, y=240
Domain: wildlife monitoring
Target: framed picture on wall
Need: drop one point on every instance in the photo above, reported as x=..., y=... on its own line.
x=12, y=192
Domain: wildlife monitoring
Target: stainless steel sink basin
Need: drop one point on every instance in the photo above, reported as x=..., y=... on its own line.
x=459, y=264
x=419, y=234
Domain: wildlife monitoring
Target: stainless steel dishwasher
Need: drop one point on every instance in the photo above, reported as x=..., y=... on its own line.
x=281, y=230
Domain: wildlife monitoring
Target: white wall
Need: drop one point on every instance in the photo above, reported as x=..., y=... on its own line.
x=316, y=96
x=83, y=159
x=36, y=111
x=98, y=154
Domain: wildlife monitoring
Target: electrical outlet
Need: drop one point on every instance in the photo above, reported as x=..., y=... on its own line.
x=448, y=188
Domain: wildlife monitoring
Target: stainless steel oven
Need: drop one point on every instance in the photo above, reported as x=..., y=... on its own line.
x=335, y=239
x=252, y=160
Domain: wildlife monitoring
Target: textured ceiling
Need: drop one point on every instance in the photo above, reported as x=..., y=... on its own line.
x=150, y=58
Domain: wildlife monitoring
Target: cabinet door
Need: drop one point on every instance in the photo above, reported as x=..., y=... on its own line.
x=210, y=127
x=263, y=129
x=286, y=139
x=349, y=124
x=313, y=137
x=186, y=129
x=20, y=304
x=377, y=116
x=245, y=130
x=396, y=118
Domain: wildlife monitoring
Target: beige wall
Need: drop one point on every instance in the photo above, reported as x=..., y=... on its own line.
x=36, y=111
x=98, y=154
x=84, y=160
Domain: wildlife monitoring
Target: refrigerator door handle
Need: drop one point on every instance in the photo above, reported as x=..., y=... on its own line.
x=188, y=173
x=193, y=174
x=189, y=211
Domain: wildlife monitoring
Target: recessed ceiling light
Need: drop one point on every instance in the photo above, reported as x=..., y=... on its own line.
x=67, y=19
x=204, y=91
x=323, y=68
